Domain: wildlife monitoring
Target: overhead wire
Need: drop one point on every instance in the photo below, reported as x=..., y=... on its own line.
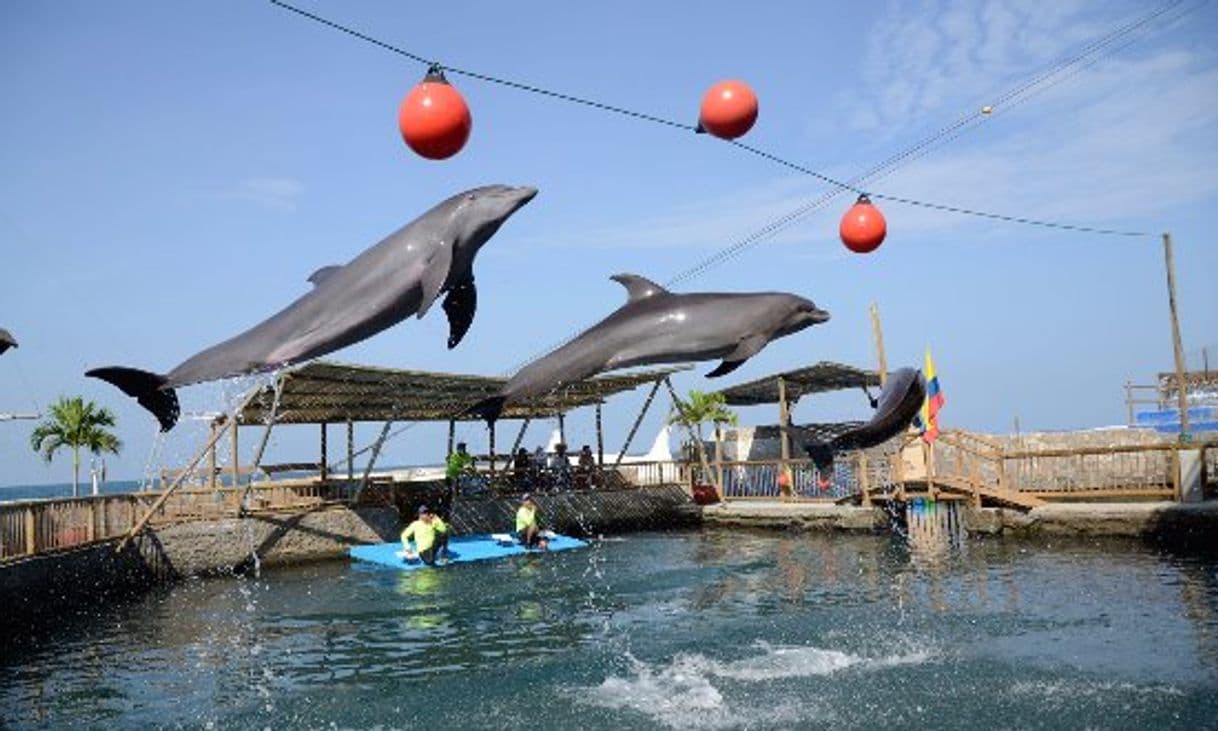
x=1084, y=58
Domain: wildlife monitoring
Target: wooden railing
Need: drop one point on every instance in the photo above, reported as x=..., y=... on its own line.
x=33, y=527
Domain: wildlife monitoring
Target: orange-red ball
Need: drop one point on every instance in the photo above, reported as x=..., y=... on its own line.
x=434, y=119
x=729, y=109
x=863, y=227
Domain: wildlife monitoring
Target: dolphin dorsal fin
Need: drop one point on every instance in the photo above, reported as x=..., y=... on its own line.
x=638, y=288
x=320, y=275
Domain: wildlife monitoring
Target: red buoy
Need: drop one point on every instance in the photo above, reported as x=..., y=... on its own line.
x=434, y=119
x=863, y=227
x=729, y=109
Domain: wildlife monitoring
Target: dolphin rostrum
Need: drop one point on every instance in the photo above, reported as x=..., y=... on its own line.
x=657, y=326
x=398, y=277
x=899, y=401
x=6, y=340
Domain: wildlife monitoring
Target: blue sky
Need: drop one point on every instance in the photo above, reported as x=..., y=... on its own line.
x=172, y=172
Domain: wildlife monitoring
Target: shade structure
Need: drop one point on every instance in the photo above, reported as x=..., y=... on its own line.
x=326, y=392
x=821, y=377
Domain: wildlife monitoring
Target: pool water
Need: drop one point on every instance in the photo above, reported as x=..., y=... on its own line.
x=696, y=629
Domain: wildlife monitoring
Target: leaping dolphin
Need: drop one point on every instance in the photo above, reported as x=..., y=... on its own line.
x=398, y=277
x=6, y=340
x=657, y=326
x=899, y=401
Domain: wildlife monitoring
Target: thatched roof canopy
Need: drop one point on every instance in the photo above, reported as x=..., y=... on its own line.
x=334, y=392
x=824, y=376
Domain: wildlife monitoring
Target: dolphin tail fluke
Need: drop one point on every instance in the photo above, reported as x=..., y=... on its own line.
x=489, y=408
x=146, y=388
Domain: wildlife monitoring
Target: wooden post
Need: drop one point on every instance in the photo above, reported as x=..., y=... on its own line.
x=1129, y=402
x=639, y=420
x=211, y=457
x=235, y=457
x=878, y=332
x=31, y=532
x=350, y=450
x=600, y=438
x=719, y=458
x=491, y=430
x=865, y=479
x=562, y=429
x=452, y=437
x=1181, y=391
x=324, y=458
x=91, y=534
x=376, y=452
x=784, y=425
x=1176, y=489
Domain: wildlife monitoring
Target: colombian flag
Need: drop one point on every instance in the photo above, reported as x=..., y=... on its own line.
x=934, y=402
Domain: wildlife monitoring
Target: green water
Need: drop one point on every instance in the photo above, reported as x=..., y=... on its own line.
x=686, y=630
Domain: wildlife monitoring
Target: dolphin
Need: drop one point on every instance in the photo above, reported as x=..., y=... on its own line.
x=899, y=402
x=398, y=277
x=6, y=340
x=657, y=326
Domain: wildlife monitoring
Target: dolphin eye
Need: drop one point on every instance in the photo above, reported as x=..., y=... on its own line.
x=469, y=196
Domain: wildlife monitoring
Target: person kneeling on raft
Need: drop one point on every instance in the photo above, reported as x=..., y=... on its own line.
x=430, y=536
x=527, y=531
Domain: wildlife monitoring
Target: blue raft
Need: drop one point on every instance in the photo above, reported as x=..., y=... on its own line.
x=461, y=549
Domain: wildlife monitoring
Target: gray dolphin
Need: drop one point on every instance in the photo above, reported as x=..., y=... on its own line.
x=657, y=326
x=6, y=340
x=899, y=402
x=398, y=277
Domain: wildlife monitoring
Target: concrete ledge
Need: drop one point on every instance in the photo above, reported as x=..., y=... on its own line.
x=793, y=516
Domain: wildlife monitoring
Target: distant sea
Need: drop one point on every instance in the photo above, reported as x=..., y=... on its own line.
x=64, y=489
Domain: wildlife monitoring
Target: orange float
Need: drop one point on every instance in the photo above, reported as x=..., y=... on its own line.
x=434, y=119
x=729, y=110
x=863, y=227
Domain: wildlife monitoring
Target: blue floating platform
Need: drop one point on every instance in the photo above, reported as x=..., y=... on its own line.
x=461, y=549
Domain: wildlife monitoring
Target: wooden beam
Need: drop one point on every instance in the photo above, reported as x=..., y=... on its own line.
x=452, y=437
x=639, y=420
x=211, y=457
x=784, y=432
x=490, y=427
x=350, y=450
x=234, y=454
x=177, y=482
x=519, y=437
x=376, y=452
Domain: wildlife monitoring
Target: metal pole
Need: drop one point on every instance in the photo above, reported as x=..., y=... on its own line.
x=1181, y=393
x=878, y=332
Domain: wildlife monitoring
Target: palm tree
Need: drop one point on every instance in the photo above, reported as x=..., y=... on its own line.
x=698, y=410
x=75, y=423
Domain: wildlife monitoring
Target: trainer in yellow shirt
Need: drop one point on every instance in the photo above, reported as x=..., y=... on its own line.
x=526, y=524
x=430, y=536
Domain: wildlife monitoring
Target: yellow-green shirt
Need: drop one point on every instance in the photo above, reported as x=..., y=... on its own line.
x=525, y=517
x=424, y=533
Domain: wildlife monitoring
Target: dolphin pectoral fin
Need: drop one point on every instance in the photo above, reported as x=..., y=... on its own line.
x=460, y=305
x=146, y=388
x=745, y=349
x=638, y=288
x=435, y=274
x=725, y=368
x=319, y=276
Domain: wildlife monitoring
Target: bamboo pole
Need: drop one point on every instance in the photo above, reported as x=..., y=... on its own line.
x=877, y=332
x=1181, y=392
x=177, y=481
x=639, y=420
